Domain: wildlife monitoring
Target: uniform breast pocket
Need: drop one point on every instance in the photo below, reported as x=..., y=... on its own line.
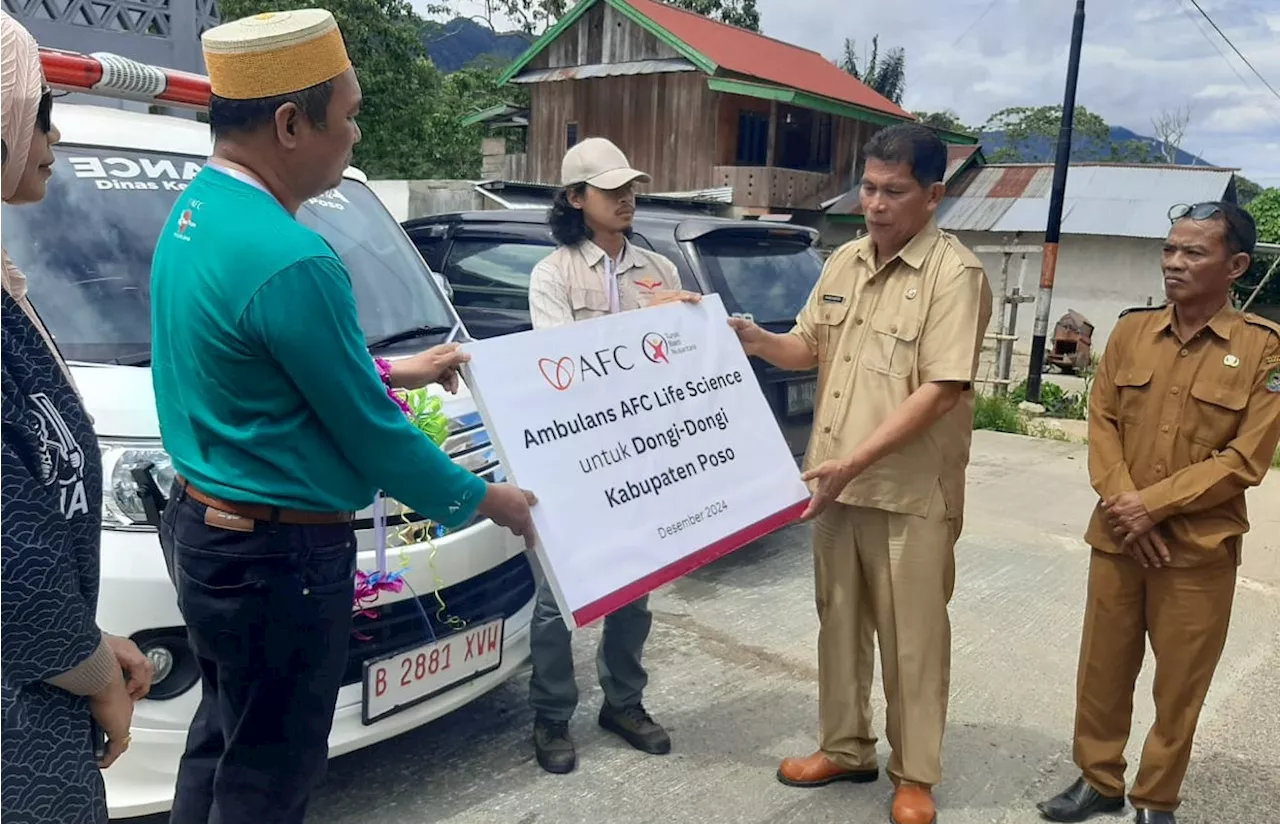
x=830, y=322
x=891, y=345
x=1133, y=386
x=1216, y=409
x=587, y=301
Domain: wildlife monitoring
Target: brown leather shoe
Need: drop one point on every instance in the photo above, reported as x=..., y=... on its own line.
x=913, y=804
x=817, y=771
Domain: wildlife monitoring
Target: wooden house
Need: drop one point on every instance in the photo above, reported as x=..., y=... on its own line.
x=696, y=103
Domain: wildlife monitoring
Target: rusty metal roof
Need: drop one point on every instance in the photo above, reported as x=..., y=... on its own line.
x=1114, y=199
x=958, y=158
x=678, y=64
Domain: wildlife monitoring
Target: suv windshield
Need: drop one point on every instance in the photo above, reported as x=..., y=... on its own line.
x=769, y=278
x=87, y=249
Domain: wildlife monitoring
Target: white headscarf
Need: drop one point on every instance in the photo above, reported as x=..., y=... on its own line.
x=21, y=87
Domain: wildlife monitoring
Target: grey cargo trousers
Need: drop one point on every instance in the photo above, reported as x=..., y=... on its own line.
x=552, y=689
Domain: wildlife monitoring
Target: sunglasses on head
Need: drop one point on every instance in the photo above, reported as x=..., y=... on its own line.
x=1205, y=211
x=1199, y=211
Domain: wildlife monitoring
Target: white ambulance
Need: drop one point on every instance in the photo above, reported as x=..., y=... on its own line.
x=87, y=251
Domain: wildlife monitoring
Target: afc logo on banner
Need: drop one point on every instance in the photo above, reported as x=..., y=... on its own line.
x=561, y=373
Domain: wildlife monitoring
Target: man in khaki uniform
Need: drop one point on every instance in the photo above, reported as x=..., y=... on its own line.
x=894, y=327
x=595, y=271
x=1184, y=416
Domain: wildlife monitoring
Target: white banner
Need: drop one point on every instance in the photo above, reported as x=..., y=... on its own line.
x=648, y=442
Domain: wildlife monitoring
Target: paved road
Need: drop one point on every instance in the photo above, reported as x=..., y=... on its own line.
x=734, y=676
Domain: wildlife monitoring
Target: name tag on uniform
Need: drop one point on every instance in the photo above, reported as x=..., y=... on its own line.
x=833, y=298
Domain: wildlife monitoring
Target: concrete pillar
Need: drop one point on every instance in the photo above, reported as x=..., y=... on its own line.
x=494, y=152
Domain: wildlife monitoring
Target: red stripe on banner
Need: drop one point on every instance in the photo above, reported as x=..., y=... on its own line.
x=620, y=598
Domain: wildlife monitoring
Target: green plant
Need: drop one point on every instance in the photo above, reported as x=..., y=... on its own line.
x=1058, y=402
x=1045, y=431
x=1265, y=209
x=998, y=414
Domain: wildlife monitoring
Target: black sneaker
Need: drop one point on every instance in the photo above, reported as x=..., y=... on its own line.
x=551, y=741
x=635, y=727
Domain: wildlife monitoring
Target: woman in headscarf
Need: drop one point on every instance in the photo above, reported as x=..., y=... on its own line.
x=66, y=688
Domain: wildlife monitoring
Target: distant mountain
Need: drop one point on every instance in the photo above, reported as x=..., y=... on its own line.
x=1084, y=149
x=460, y=42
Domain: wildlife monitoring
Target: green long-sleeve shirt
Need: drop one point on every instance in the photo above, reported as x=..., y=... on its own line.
x=264, y=389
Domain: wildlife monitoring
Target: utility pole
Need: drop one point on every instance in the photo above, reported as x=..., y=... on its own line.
x=1052, y=232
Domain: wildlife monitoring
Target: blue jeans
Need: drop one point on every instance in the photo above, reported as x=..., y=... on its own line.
x=268, y=617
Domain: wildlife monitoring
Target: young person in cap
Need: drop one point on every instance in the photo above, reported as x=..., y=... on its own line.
x=1184, y=417
x=595, y=271
x=278, y=422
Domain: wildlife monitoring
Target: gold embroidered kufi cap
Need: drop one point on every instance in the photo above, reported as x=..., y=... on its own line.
x=274, y=53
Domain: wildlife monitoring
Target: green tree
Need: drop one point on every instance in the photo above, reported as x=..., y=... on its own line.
x=885, y=74
x=1027, y=129
x=1265, y=209
x=1246, y=190
x=946, y=120
x=411, y=117
x=740, y=13
x=536, y=16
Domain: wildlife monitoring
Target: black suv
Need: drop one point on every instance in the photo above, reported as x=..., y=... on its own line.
x=766, y=270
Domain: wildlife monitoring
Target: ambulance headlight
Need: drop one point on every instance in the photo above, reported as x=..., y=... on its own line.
x=124, y=500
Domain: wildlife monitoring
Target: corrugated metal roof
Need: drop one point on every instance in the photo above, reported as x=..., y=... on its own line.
x=1119, y=200
x=678, y=64
x=738, y=51
x=957, y=158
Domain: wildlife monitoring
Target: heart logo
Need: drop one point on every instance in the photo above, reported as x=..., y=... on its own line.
x=559, y=373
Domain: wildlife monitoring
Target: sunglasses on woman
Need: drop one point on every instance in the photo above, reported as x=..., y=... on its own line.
x=44, y=112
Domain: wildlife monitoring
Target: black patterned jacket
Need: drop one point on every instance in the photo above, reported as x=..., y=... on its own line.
x=51, y=518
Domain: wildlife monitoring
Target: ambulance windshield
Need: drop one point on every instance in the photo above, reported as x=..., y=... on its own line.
x=87, y=247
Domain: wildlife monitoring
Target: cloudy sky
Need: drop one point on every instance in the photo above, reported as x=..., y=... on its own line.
x=1141, y=57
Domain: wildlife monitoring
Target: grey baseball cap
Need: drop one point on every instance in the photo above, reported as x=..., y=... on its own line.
x=598, y=162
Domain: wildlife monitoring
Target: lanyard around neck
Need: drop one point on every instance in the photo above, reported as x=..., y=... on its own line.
x=611, y=284
x=243, y=177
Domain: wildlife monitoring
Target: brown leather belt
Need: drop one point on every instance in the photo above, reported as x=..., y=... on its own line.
x=262, y=512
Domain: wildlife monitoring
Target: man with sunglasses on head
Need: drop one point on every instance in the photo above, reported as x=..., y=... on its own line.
x=1184, y=417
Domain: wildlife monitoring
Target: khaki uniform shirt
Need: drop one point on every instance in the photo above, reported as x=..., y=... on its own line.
x=1190, y=425
x=569, y=284
x=879, y=332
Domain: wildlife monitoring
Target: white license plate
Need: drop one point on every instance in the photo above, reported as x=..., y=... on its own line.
x=800, y=396
x=399, y=681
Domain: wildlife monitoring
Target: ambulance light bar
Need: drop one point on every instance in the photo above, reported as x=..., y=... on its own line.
x=111, y=75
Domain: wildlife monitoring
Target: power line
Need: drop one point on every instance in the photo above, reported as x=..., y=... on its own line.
x=971, y=26
x=1195, y=22
x=1234, y=49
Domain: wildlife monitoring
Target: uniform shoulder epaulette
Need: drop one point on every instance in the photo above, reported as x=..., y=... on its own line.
x=844, y=250
x=968, y=258
x=1265, y=323
x=1140, y=309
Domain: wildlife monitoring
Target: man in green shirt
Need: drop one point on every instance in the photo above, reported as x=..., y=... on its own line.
x=277, y=421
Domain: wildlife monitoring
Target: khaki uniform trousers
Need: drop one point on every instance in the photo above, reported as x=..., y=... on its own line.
x=891, y=575
x=1185, y=612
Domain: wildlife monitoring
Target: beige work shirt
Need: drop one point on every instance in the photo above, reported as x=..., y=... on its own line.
x=570, y=284
x=1187, y=424
x=880, y=332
